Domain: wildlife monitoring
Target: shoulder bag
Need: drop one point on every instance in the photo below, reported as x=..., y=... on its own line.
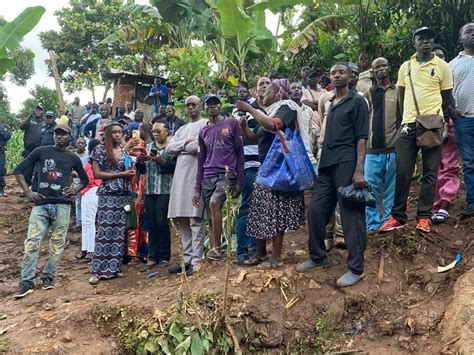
x=287, y=166
x=429, y=128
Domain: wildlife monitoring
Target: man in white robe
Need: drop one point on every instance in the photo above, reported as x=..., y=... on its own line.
x=187, y=218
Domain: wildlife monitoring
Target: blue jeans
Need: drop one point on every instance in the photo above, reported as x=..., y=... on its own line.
x=78, y=209
x=464, y=131
x=380, y=169
x=244, y=241
x=77, y=131
x=44, y=218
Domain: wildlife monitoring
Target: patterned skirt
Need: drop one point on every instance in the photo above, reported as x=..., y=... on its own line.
x=111, y=236
x=274, y=211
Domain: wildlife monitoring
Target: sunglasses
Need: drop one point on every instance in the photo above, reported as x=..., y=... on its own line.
x=157, y=131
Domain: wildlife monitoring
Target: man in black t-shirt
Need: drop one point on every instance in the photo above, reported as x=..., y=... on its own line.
x=52, y=198
x=341, y=164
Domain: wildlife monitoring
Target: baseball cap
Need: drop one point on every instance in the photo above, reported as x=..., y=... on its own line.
x=424, y=29
x=212, y=97
x=63, y=127
x=49, y=113
x=39, y=106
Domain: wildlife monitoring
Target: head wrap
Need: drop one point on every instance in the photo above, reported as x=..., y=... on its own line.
x=282, y=89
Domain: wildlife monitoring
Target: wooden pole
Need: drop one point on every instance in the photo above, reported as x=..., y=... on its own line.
x=57, y=82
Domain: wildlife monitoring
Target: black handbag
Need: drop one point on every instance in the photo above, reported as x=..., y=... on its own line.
x=363, y=196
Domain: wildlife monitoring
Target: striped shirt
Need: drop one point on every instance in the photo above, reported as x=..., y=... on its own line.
x=462, y=68
x=250, y=146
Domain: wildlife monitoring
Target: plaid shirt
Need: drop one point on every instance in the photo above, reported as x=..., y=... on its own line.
x=159, y=177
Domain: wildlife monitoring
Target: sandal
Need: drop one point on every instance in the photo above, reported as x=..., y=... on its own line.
x=81, y=255
x=93, y=280
x=271, y=263
x=147, y=267
x=440, y=217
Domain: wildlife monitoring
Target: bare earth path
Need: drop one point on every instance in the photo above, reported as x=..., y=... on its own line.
x=402, y=306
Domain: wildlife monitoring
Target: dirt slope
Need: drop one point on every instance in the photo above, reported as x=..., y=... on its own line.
x=402, y=306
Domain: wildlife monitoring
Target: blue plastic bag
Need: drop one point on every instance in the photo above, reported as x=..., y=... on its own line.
x=287, y=166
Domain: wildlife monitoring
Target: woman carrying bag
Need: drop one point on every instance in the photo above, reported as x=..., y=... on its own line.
x=277, y=201
x=109, y=165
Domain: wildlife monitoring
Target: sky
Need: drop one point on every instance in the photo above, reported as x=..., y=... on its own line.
x=17, y=94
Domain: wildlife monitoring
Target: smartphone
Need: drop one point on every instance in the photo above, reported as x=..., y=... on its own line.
x=154, y=152
x=135, y=133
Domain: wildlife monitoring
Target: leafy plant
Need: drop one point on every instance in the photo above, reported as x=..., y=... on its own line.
x=189, y=71
x=12, y=33
x=14, y=150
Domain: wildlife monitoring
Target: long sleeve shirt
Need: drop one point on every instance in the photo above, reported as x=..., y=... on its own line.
x=220, y=145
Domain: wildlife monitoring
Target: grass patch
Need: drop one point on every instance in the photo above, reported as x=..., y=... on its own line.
x=176, y=330
x=4, y=345
x=326, y=334
x=401, y=243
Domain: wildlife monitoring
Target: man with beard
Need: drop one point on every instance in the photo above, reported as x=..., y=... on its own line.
x=52, y=209
x=188, y=219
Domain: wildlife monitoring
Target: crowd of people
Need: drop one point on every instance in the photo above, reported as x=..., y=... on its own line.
x=131, y=178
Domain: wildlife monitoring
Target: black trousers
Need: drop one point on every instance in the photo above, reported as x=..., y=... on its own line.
x=407, y=151
x=3, y=170
x=321, y=208
x=159, y=237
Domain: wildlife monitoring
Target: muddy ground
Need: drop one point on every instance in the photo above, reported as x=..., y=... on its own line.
x=402, y=306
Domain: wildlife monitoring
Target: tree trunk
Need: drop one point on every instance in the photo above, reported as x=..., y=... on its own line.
x=93, y=93
x=106, y=91
x=57, y=82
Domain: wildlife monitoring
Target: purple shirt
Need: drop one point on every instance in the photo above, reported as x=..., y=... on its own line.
x=220, y=144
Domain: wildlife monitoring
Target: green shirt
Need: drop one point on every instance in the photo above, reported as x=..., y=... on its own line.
x=159, y=177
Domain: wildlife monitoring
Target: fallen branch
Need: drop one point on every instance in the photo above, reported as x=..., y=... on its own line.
x=381, y=267
x=235, y=340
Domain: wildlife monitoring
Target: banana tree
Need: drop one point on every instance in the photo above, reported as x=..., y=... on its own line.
x=243, y=32
x=12, y=33
x=353, y=15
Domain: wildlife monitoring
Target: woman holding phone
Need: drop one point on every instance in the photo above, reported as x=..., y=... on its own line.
x=158, y=167
x=109, y=164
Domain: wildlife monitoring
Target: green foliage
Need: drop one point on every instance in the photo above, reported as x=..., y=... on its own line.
x=83, y=25
x=14, y=150
x=12, y=33
x=189, y=71
x=4, y=345
x=156, y=336
x=40, y=95
x=175, y=338
x=5, y=114
x=406, y=244
x=24, y=66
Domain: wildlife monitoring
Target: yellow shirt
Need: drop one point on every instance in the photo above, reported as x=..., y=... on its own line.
x=429, y=79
